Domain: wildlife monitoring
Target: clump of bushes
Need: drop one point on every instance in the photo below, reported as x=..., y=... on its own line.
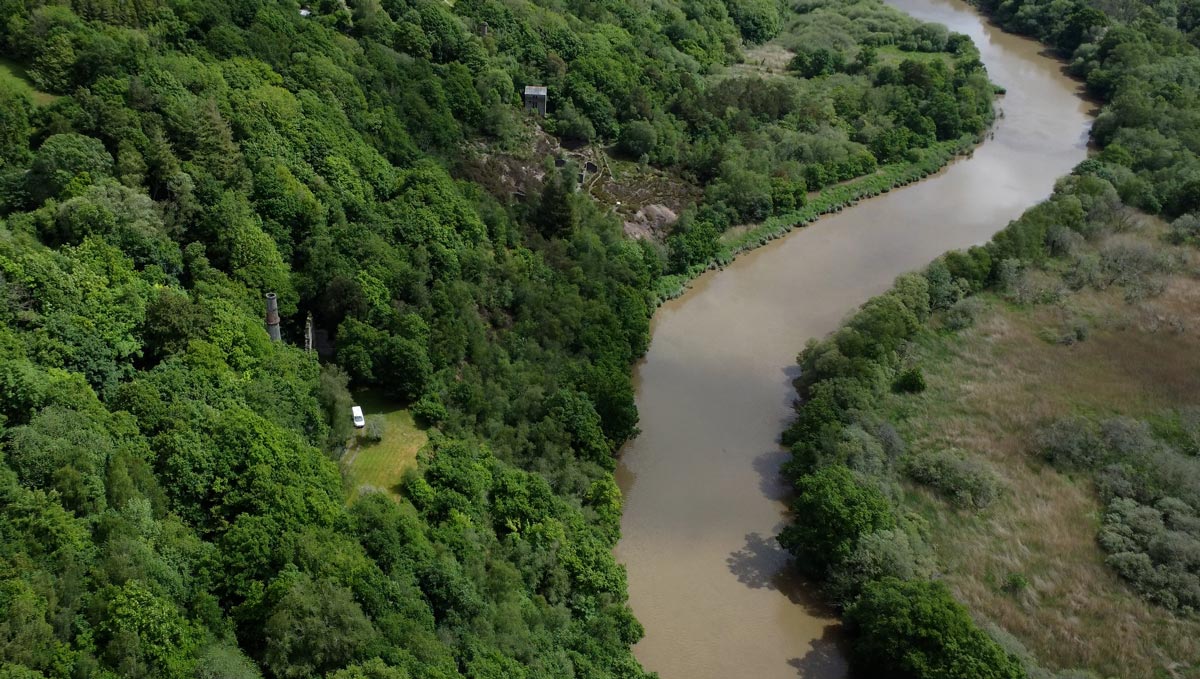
x=962, y=314
x=847, y=530
x=1156, y=548
x=1186, y=230
x=910, y=381
x=1151, y=528
x=963, y=482
x=915, y=629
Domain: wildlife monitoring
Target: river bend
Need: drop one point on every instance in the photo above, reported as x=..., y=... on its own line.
x=703, y=498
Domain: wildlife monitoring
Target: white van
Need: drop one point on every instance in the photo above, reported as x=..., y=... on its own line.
x=357, y=414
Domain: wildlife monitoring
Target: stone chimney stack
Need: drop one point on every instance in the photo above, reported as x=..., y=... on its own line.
x=272, y=317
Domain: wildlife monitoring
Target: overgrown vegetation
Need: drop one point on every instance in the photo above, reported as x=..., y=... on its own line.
x=1141, y=61
x=759, y=141
x=170, y=489
x=867, y=527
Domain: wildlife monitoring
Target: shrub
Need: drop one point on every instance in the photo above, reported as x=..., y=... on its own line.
x=915, y=630
x=429, y=410
x=1015, y=583
x=885, y=553
x=963, y=482
x=1063, y=242
x=1071, y=443
x=962, y=314
x=638, y=139
x=1186, y=229
x=910, y=381
x=1126, y=262
x=373, y=432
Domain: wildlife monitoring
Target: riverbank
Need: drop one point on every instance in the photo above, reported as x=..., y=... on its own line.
x=942, y=404
x=829, y=200
x=704, y=498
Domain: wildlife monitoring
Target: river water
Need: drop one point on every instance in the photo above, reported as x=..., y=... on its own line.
x=703, y=498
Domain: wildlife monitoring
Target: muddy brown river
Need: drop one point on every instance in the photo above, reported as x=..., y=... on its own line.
x=703, y=498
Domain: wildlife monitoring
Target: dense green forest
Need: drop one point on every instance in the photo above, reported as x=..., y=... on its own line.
x=171, y=496
x=852, y=529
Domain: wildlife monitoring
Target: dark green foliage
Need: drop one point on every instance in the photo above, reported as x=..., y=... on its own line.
x=916, y=630
x=15, y=112
x=66, y=160
x=910, y=381
x=818, y=62
x=556, y=214
x=757, y=20
x=316, y=627
x=638, y=139
x=838, y=511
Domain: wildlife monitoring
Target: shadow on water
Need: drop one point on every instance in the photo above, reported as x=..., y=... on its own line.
x=768, y=464
x=826, y=656
x=770, y=482
x=763, y=564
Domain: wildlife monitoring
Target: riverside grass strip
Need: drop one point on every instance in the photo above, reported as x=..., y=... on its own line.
x=831, y=199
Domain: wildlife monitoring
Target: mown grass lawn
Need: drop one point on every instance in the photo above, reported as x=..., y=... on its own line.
x=382, y=465
x=12, y=72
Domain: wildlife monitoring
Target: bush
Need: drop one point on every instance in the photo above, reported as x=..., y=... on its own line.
x=1156, y=549
x=757, y=20
x=373, y=432
x=429, y=410
x=963, y=313
x=885, y=553
x=963, y=482
x=638, y=139
x=1071, y=443
x=836, y=512
x=910, y=381
x=1128, y=262
x=916, y=630
x=1186, y=229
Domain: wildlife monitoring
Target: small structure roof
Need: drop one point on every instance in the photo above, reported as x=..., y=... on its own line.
x=535, y=90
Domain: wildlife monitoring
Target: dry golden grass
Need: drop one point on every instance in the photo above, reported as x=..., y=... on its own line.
x=990, y=388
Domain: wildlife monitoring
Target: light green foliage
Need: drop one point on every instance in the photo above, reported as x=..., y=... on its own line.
x=142, y=633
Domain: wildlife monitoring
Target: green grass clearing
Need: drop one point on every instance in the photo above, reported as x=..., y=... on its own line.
x=382, y=465
x=892, y=55
x=12, y=72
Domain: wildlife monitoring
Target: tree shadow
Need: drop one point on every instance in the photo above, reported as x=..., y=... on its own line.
x=826, y=656
x=763, y=564
x=768, y=464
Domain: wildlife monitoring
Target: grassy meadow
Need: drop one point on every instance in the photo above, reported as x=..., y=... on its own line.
x=14, y=73
x=381, y=465
x=1030, y=562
